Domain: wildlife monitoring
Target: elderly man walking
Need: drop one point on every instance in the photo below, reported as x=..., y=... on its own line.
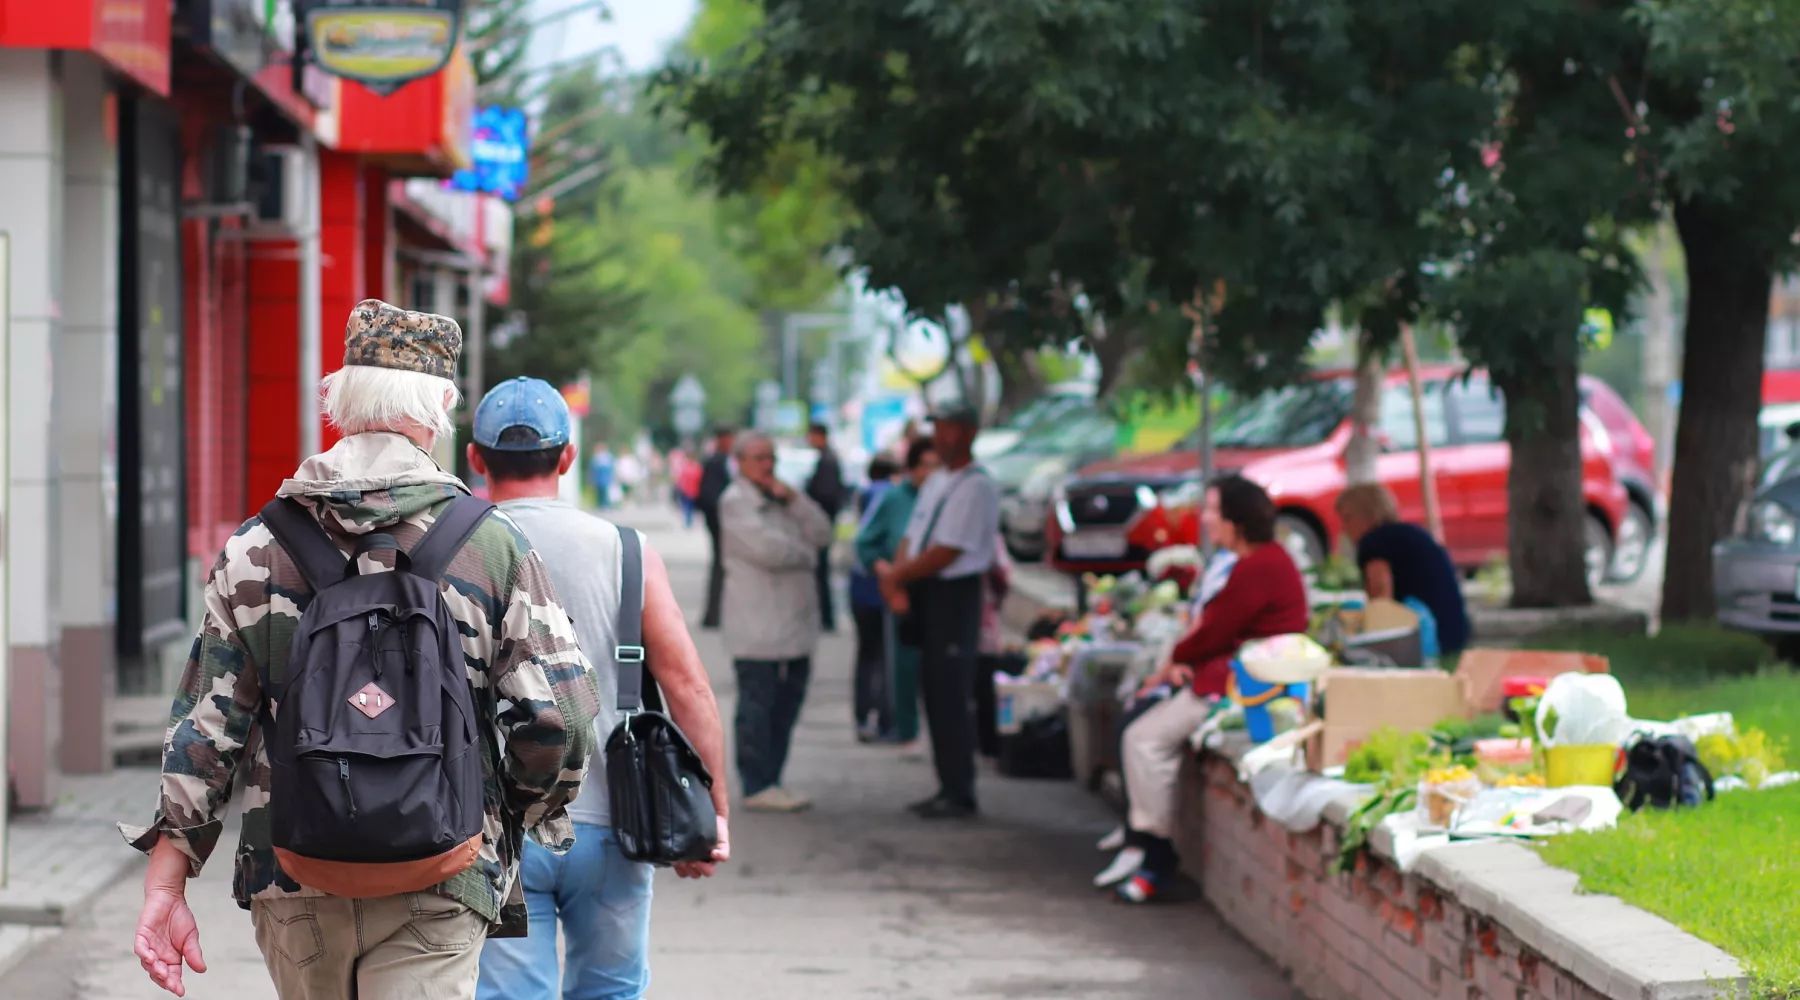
x=599, y=897
x=771, y=537
x=386, y=678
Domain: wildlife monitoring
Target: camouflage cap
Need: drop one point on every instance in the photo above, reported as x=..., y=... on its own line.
x=383, y=336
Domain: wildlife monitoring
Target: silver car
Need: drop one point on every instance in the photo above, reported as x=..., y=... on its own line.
x=1756, y=573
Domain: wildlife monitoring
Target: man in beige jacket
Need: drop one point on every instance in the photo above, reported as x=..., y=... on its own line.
x=771, y=536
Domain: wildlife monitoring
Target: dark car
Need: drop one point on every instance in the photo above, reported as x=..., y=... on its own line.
x=1028, y=471
x=1756, y=573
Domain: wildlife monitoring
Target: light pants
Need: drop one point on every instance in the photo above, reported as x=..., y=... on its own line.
x=418, y=946
x=1153, y=748
x=603, y=902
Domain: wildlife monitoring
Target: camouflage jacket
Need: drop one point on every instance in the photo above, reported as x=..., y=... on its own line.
x=526, y=670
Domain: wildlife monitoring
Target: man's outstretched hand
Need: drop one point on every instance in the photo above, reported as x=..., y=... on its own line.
x=166, y=936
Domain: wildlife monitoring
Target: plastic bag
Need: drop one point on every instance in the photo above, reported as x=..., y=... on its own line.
x=1284, y=659
x=1583, y=710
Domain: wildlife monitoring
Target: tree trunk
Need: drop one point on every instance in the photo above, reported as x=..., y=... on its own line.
x=1545, y=514
x=1020, y=381
x=1365, y=414
x=1428, y=484
x=1721, y=392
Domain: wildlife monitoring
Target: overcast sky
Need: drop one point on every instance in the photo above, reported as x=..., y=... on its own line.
x=640, y=29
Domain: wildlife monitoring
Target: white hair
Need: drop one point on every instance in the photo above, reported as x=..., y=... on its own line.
x=358, y=399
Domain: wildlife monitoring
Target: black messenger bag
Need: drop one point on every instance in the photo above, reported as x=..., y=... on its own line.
x=661, y=792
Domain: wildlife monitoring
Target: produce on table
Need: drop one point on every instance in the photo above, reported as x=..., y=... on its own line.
x=1748, y=754
x=1388, y=752
x=1532, y=780
x=1443, y=789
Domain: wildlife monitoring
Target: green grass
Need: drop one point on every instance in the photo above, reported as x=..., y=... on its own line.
x=1729, y=873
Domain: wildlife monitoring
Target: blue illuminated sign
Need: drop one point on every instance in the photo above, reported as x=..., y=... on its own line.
x=499, y=150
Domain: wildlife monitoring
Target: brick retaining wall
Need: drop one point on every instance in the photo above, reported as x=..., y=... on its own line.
x=1479, y=922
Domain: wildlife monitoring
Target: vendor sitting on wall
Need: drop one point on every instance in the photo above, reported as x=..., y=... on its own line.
x=1402, y=562
x=1264, y=597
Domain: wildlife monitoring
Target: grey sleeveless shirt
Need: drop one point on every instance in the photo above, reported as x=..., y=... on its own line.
x=581, y=551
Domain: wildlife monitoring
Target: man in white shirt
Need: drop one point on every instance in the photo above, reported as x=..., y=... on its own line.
x=936, y=578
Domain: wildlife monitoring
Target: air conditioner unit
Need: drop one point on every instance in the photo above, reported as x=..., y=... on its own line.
x=281, y=188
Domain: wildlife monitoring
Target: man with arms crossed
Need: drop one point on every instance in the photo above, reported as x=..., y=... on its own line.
x=603, y=900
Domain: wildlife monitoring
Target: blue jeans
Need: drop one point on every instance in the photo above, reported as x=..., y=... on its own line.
x=603, y=901
x=769, y=697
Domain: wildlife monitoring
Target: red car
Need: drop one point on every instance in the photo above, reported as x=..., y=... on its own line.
x=1111, y=516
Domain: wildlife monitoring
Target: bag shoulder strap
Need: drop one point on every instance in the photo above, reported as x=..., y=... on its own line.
x=305, y=541
x=432, y=554
x=628, y=630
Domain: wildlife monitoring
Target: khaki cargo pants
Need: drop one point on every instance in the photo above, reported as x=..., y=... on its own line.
x=418, y=946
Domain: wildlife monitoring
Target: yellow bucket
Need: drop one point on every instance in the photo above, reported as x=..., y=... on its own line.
x=1580, y=765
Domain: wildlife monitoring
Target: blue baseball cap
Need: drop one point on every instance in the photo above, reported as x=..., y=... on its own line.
x=522, y=402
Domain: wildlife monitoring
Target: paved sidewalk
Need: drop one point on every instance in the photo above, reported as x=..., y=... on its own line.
x=853, y=899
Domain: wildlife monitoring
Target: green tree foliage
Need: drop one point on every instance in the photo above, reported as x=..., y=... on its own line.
x=1715, y=117
x=629, y=274
x=1080, y=170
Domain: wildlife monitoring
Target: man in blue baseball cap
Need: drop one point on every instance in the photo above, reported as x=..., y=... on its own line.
x=522, y=434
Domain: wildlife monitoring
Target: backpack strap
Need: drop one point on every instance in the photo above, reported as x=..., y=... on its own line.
x=628, y=656
x=305, y=542
x=431, y=555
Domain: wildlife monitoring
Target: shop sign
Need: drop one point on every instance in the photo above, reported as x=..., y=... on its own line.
x=381, y=44
x=152, y=481
x=498, y=149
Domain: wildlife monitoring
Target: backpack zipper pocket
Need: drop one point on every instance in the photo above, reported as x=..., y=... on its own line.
x=344, y=777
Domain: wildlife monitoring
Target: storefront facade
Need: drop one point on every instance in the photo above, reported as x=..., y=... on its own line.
x=187, y=220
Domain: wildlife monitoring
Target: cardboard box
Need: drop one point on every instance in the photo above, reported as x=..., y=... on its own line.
x=1483, y=672
x=1359, y=701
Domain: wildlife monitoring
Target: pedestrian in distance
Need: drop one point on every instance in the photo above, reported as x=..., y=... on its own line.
x=876, y=542
x=391, y=768
x=716, y=474
x=600, y=474
x=600, y=899
x=772, y=536
x=826, y=488
x=869, y=699
x=936, y=576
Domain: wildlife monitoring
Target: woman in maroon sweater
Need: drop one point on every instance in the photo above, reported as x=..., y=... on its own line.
x=1265, y=597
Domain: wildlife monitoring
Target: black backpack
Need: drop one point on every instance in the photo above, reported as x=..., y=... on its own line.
x=1663, y=772
x=375, y=755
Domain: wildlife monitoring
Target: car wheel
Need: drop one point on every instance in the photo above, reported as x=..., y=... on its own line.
x=1598, y=550
x=1631, y=550
x=1301, y=542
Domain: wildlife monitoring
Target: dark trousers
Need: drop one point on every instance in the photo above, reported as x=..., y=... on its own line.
x=870, y=694
x=770, y=693
x=715, y=580
x=950, y=623
x=827, y=607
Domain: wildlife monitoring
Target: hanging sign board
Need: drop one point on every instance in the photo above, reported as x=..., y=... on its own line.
x=382, y=44
x=499, y=150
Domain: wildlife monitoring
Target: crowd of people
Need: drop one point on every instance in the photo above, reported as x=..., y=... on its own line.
x=930, y=572
x=446, y=668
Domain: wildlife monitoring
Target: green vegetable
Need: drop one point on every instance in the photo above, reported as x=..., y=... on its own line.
x=1388, y=753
